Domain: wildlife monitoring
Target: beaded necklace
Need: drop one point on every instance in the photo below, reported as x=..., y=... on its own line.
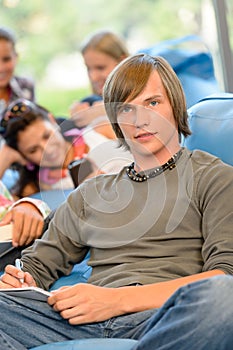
x=170, y=164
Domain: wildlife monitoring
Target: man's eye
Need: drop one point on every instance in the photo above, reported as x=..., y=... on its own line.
x=125, y=109
x=153, y=103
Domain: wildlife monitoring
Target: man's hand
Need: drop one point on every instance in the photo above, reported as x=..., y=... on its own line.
x=27, y=223
x=12, y=276
x=84, y=303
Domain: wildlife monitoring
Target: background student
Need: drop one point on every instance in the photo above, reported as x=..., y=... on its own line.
x=34, y=141
x=101, y=51
x=43, y=151
x=12, y=86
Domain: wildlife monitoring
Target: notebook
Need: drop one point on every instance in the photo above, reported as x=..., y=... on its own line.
x=5, y=233
x=34, y=293
x=5, y=240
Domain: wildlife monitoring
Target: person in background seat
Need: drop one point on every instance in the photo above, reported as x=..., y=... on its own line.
x=12, y=87
x=101, y=51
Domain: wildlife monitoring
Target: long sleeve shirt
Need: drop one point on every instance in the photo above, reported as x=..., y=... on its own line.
x=176, y=224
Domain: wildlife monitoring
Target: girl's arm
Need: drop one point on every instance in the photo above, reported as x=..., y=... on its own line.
x=8, y=156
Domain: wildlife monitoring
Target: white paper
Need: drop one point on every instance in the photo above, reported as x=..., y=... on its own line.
x=34, y=293
x=5, y=233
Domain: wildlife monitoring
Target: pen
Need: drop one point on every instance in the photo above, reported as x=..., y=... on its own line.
x=19, y=265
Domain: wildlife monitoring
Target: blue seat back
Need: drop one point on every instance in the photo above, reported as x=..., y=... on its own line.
x=211, y=123
x=80, y=274
x=52, y=197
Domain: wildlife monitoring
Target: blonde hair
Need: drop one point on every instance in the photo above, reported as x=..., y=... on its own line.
x=108, y=43
x=129, y=79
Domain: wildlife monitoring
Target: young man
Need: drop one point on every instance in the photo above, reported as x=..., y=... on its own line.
x=152, y=229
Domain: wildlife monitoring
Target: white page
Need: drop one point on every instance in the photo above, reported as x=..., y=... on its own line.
x=5, y=233
x=34, y=293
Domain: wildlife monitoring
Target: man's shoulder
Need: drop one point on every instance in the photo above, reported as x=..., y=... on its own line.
x=203, y=158
x=202, y=161
x=104, y=184
x=104, y=180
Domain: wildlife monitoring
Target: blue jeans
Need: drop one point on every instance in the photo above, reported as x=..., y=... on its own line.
x=198, y=316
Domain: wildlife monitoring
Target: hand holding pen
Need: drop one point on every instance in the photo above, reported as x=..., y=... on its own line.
x=19, y=265
x=15, y=277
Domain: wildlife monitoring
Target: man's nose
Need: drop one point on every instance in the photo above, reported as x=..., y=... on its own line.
x=142, y=117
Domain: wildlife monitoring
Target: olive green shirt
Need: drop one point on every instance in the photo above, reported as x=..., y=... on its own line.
x=173, y=225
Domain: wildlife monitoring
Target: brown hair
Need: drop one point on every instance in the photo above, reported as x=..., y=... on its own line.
x=20, y=114
x=108, y=43
x=129, y=79
x=17, y=117
x=8, y=35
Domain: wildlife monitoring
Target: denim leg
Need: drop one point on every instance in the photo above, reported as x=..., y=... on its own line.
x=26, y=323
x=198, y=316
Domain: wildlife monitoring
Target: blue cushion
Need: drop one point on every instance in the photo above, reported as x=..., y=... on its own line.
x=211, y=123
x=52, y=197
x=10, y=178
x=80, y=274
x=90, y=344
x=196, y=88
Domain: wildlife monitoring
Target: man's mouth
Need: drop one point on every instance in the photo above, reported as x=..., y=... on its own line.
x=144, y=135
